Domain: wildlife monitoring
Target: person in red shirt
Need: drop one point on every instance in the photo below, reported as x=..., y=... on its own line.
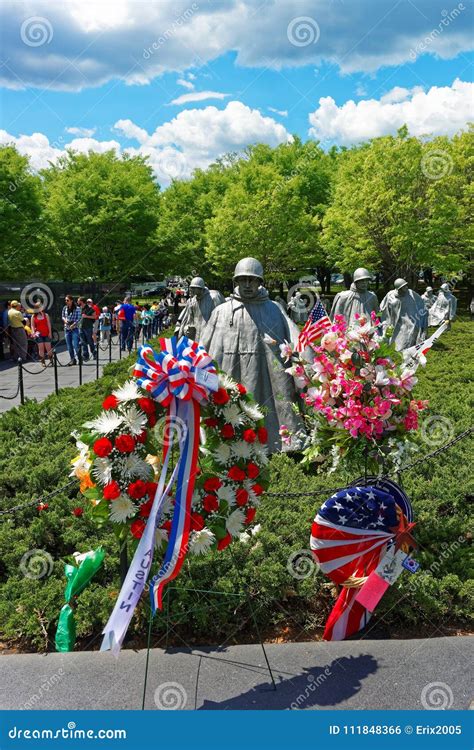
x=95, y=328
x=41, y=330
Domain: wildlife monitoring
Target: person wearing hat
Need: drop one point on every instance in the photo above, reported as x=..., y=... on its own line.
x=428, y=297
x=198, y=309
x=358, y=300
x=404, y=310
x=444, y=307
x=243, y=335
x=17, y=331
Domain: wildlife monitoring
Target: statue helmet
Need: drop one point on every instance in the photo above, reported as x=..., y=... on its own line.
x=399, y=283
x=360, y=274
x=198, y=283
x=429, y=288
x=249, y=267
x=445, y=287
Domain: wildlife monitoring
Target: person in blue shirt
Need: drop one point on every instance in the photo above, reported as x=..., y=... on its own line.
x=127, y=314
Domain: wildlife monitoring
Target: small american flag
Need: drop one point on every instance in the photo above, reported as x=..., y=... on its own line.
x=316, y=326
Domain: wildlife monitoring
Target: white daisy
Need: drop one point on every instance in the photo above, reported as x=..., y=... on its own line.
x=107, y=422
x=233, y=415
x=127, y=392
x=241, y=449
x=132, y=466
x=251, y=410
x=235, y=522
x=102, y=470
x=226, y=493
x=161, y=535
x=256, y=529
x=134, y=419
x=222, y=454
x=227, y=382
x=201, y=541
x=260, y=452
x=121, y=509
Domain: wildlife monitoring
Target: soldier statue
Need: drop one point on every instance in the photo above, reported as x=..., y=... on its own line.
x=198, y=309
x=356, y=300
x=405, y=311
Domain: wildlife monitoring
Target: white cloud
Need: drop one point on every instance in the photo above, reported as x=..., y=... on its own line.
x=137, y=41
x=130, y=130
x=41, y=152
x=281, y=112
x=443, y=110
x=86, y=132
x=198, y=96
x=185, y=84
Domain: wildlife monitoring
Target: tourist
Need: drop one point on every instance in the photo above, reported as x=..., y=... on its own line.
x=71, y=316
x=105, y=325
x=95, y=328
x=42, y=333
x=4, y=333
x=87, y=329
x=17, y=331
x=146, y=319
x=127, y=315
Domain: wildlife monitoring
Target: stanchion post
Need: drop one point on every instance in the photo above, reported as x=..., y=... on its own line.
x=80, y=364
x=20, y=381
x=97, y=354
x=110, y=346
x=55, y=367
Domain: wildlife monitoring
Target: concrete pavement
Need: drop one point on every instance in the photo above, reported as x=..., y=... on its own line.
x=367, y=674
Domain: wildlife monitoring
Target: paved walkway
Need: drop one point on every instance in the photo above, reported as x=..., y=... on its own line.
x=367, y=674
x=39, y=381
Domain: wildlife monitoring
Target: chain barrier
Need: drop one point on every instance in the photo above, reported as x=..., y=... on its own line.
x=38, y=500
x=11, y=398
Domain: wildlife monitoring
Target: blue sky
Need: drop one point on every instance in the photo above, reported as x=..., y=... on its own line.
x=118, y=74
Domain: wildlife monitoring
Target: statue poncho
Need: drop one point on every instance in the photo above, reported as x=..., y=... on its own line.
x=352, y=302
x=429, y=299
x=408, y=317
x=297, y=309
x=196, y=314
x=444, y=308
x=238, y=336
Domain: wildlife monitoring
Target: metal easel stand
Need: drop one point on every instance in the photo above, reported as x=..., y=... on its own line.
x=244, y=596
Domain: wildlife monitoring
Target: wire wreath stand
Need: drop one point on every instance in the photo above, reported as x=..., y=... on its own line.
x=241, y=596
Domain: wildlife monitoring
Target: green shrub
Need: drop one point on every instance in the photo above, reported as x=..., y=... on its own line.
x=35, y=454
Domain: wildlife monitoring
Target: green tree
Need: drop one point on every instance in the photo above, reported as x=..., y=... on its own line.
x=101, y=213
x=20, y=213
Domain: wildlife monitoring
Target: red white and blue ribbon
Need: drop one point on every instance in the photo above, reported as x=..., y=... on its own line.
x=179, y=377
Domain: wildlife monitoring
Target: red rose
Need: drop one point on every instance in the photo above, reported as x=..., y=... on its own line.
x=124, y=443
x=145, y=508
x=166, y=526
x=137, y=528
x=262, y=433
x=211, y=422
x=147, y=405
x=152, y=420
x=78, y=512
x=242, y=389
x=151, y=489
x=111, y=491
x=250, y=515
x=223, y=543
x=257, y=488
x=110, y=402
x=102, y=447
x=137, y=489
x=241, y=497
x=210, y=503
x=197, y=522
x=249, y=436
x=212, y=484
x=228, y=432
x=236, y=474
x=221, y=397
x=141, y=438
x=252, y=470
x=43, y=506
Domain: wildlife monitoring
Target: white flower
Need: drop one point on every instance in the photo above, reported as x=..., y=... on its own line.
x=201, y=541
x=233, y=415
x=161, y=535
x=107, y=422
x=251, y=410
x=241, y=449
x=81, y=556
x=227, y=493
x=80, y=466
x=235, y=522
x=121, y=509
x=244, y=537
x=127, y=392
x=132, y=466
x=227, y=382
x=168, y=506
x=102, y=470
x=261, y=453
x=222, y=454
x=134, y=419
x=381, y=377
x=256, y=529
